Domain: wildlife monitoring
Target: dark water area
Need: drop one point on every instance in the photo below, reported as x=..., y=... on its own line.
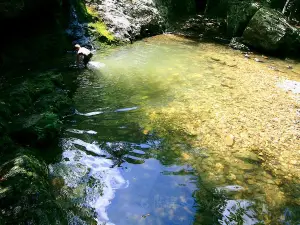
x=145, y=143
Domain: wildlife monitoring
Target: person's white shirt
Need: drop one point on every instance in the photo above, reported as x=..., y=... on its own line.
x=83, y=51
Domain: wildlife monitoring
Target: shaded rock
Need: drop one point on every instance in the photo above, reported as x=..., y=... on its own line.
x=25, y=194
x=216, y=8
x=200, y=26
x=238, y=16
x=235, y=43
x=37, y=129
x=16, y=8
x=269, y=31
x=32, y=114
x=77, y=29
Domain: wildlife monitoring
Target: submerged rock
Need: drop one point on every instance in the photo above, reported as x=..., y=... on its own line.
x=230, y=188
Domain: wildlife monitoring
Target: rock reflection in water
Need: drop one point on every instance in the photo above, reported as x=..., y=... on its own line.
x=90, y=180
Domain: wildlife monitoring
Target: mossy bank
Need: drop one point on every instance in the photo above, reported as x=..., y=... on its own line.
x=32, y=107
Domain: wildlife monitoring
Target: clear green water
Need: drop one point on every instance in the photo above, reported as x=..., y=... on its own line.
x=172, y=131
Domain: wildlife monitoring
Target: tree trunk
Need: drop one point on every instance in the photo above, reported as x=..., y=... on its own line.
x=285, y=6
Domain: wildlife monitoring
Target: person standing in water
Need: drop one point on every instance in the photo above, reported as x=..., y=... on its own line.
x=83, y=52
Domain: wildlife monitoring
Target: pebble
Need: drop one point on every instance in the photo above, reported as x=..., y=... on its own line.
x=250, y=181
x=231, y=177
x=294, y=162
x=258, y=60
x=247, y=56
x=219, y=166
x=230, y=140
x=289, y=67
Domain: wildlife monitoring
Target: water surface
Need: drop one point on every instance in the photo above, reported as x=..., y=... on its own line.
x=173, y=131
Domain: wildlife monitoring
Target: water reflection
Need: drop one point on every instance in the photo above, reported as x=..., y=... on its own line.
x=143, y=191
x=90, y=181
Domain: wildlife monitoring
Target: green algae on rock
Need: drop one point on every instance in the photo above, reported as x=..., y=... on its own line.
x=25, y=194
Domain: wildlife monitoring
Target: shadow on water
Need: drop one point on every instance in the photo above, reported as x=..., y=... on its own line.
x=126, y=160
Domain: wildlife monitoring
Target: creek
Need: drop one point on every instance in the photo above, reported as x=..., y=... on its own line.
x=173, y=131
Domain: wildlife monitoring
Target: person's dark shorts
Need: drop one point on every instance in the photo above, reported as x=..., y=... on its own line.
x=87, y=58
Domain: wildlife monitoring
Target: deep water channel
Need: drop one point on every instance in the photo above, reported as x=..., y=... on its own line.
x=171, y=131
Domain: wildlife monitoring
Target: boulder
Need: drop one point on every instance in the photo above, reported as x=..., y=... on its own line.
x=26, y=196
x=238, y=16
x=269, y=31
x=127, y=20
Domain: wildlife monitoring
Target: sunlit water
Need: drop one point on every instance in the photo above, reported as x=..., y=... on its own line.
x=172, y=131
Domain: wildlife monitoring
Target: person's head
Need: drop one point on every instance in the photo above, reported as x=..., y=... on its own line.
x=77, y=47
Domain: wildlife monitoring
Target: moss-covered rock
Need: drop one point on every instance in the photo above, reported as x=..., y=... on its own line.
x=25, y=194
x=269, y=31
x=32, y=111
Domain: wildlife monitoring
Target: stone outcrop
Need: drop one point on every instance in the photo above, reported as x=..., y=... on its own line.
x=128, y=20
x=125, y=21
x=268, y=30
x=238, y=16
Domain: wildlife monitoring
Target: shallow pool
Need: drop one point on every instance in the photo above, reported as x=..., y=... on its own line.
x=172, y=131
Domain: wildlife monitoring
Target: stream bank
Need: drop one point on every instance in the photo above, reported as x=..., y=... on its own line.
x=33, y=104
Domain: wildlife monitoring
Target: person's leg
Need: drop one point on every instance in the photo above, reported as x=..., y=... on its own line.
x=86, y=59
